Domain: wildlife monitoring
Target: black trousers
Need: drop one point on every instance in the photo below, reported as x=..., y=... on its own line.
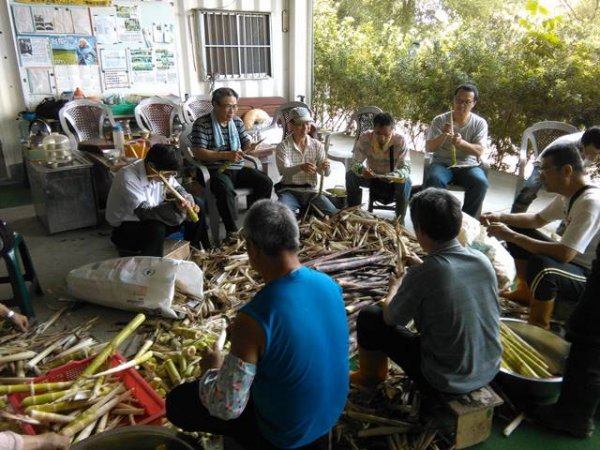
x=548, y=278
x=398, y=343
x=147, y=237
x=223, y=185
x=186, y=411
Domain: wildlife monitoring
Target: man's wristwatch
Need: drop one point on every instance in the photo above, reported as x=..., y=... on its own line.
x=10, y=314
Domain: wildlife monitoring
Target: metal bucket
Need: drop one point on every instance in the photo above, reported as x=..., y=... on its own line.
x=142, y=437
x=555, y=350
x=337, y=195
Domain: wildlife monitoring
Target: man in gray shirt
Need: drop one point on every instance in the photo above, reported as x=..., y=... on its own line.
x=458, y=140
x=452, y=297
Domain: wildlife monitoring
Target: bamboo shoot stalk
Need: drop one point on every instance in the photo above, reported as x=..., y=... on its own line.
x=514, y=353
x=44, y=416
x=79, y=346
x=85, y=433
x=78, y=354
x=527, y=348
x=35, y=387
x=512, y=426
x=127, y=411
x=112, y=346
x=376, y=419
x=190, y=210
x=144, y=348
x=102, y=423
x=19, y=418
x=95, y=412
x=59, y=406
x=16, y=380
x=17, y=357
x=45, y=398
x=172, y=372
x=452, y=147
x=127, y=365
x=58, y=343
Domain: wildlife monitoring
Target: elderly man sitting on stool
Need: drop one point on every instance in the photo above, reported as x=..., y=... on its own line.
x=285, y=381
x=386, y=154
x=299, y=159
x=452, y=297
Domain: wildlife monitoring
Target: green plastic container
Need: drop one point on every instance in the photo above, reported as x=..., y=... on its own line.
x=123, y=109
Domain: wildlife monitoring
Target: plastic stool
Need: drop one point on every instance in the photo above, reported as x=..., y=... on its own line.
x=10, y=242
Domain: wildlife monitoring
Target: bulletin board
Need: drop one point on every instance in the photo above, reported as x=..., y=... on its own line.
x=103, y=47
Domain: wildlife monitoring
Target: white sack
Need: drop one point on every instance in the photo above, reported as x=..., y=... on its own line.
x=473, y=234
x=139, y=283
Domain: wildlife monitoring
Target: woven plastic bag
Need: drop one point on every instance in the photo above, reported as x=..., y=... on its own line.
x=138, y=283
x=473, y=235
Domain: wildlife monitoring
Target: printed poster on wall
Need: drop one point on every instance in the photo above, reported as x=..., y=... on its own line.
x=34, y=51
x=23, y=19
x=74, y=50
x=105, y=25
x=128, y=23
x=40, y=81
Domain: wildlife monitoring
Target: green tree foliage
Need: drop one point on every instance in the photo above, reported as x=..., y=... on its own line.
x=407, y=57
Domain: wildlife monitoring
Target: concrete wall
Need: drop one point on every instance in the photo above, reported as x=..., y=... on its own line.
x=291, y=58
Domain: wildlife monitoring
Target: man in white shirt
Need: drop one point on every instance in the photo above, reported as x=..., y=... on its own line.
x=546, y=269
x=139, y=210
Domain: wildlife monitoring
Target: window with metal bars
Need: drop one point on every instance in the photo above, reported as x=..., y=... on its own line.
x=235, y=44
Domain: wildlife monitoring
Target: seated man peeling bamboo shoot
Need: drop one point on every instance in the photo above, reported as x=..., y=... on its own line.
x=549, y=270
x=458, y=140
x=299, y=159
x=452, y=297
x=388, y=165
x=285, y=381
x=220, y=140
x=140, y=212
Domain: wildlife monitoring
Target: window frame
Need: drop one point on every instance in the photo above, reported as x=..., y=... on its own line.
x=236, y=35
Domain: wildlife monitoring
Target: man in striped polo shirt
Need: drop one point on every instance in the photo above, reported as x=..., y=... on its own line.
x=219, y=140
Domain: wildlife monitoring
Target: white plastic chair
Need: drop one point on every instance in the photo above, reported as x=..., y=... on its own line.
x=82, y=120
x=538, y=137
x=157, y=115
x=194, y=107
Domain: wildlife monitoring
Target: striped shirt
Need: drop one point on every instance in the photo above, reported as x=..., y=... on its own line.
x=379, y=162
x=202, y=137
x=290, y=159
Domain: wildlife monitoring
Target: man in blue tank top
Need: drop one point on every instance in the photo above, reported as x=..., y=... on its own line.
x=285, y=381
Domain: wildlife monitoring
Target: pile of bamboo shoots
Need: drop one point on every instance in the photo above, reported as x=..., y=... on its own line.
x=94, y=401
x=521, y=358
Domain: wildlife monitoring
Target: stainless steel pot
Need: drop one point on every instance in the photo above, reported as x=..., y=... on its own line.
x=142, y=437
x=554, y=348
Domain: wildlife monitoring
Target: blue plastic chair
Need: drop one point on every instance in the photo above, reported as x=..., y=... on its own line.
x=12, y=246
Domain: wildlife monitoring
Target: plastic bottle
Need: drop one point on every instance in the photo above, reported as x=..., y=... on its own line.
x=118, y=138
x=78, y=94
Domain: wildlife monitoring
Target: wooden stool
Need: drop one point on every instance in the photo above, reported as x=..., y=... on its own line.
x=473, y=414
x=10, y=242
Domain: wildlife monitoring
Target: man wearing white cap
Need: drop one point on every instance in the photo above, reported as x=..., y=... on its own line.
x=300, y=159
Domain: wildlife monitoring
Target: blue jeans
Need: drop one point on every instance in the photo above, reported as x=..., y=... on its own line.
x=473, y=179
x=528, y=192
x=298, y=201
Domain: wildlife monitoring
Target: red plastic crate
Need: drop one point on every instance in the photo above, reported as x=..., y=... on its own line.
x=141, y=391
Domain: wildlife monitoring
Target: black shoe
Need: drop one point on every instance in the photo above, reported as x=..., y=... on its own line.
x=557, y=419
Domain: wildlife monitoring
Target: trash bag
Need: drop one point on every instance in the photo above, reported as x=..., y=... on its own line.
x=49, y=108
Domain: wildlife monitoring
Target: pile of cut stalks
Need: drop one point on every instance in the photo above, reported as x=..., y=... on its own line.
x=357, y=249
